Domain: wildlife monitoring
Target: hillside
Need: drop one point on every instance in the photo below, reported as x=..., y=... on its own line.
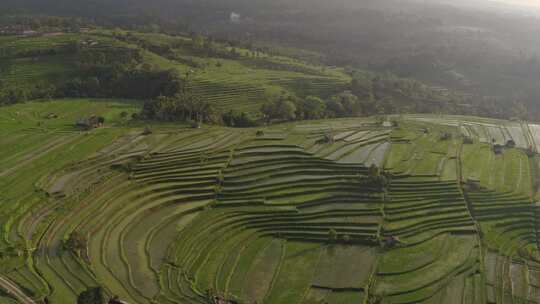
x=429, y=209
x=480, y=46
x=228, y=75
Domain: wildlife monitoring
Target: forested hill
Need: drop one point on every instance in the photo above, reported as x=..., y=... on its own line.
x=238, y=81
x=476, y=47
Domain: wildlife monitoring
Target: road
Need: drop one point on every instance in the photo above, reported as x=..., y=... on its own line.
x=13, y=290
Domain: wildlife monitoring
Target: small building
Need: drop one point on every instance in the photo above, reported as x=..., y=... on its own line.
x=440, y=90
x=510, y=143
x=473, y=184
x=387, y=124
x=468, y=140
x=116, y=300
x=498, y=149
x=29, y=33
x=222, y=300
x=235, y=17
x=91, y=122
x=391, y=241
x=445, y=136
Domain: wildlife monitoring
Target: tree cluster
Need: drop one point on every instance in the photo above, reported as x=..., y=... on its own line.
x=238, y=119
x=14, y=94
x=92, y=295
x=288, y=107
x=180, y=104
x=75, y=243
x=119, y=72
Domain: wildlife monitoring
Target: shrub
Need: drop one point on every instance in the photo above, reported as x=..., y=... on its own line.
x=147, y=131
x=332, y=235
x=283, y=108
x=75, y=243
x=445, y=136
x=468, y=140
x=326, y=139
x=311, y=108
x=92, y=295
x=238, y=120
x=510, y=143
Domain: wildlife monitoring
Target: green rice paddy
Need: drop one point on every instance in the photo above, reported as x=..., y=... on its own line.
x=184, y=215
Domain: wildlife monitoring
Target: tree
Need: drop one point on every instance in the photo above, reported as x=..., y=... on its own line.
x=286, y=110
x=519, y=109
x=240, y=120
x=282, y=109
x=374, y=171
x=350, y=103
x=75, y=243
x=335, y=108
x=332, y=235
x=92, y=295
x=314, y=108
x=267, y=109
x=198, y=41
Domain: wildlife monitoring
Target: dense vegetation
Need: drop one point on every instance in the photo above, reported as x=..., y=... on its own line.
x=477, y=47
x=201, y=79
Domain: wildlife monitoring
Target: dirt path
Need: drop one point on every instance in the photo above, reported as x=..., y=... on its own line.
x=14, y=291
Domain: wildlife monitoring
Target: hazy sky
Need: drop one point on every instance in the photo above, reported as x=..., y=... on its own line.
x=521, y=2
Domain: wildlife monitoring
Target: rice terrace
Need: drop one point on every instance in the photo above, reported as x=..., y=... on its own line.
x=143, y=166
x=179, y=214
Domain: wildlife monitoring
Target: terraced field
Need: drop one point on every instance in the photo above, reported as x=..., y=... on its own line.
x=333, y=211
x=241, y=83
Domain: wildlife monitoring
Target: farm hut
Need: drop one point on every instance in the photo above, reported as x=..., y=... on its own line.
x=221, y=300
x=29, y=33
x=91, y=122
x=51, y=116
x=473, y=183
x=498, y=149
x=116, y=300
x=510, y=143
x=391, y=241
x=445, y=136
x=467, y=140
x=327, y=138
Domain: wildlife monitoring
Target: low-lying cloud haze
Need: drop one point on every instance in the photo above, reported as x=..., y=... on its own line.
x=535, y=3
